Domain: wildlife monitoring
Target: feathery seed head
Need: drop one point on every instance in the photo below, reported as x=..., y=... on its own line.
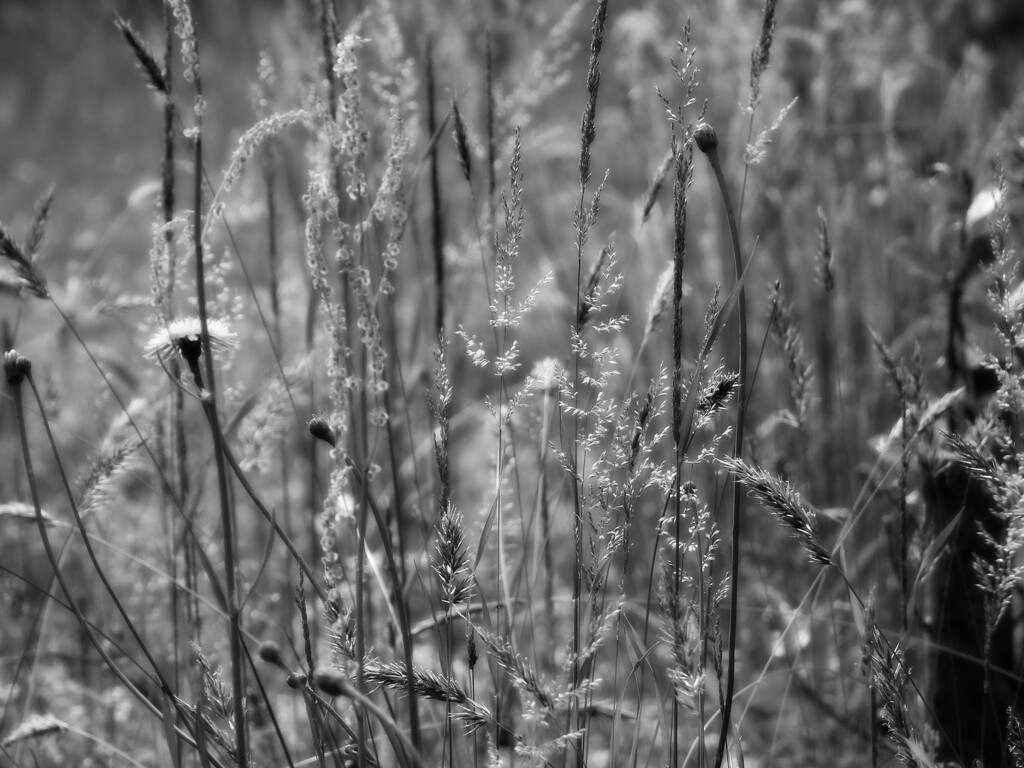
x=28, y=280
x=184, y=335
x=143, y=55
x=759, y=56
x=823, y=263
x=461, y=140
x=783, y=502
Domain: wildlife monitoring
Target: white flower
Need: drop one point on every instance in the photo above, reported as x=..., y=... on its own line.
x=187, y=330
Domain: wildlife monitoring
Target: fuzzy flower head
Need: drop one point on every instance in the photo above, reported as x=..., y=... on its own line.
x=184, y=335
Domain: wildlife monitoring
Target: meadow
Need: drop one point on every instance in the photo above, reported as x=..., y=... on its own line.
x=576, y=383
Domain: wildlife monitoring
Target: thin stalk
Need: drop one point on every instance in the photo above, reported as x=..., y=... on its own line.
x=588, y=131
x=677, y=567
x=176, y=438
x=902, y=480
x=17, y=368
x=399, y=578
x=492, y=141
x=209, y=401
x=683, y=162
x=707, y=142
x=165, y=686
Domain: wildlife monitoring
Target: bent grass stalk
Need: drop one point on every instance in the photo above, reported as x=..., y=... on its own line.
x=707, y=142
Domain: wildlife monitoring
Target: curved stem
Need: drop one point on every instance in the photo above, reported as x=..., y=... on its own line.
x=88, y=627
x=737, y=498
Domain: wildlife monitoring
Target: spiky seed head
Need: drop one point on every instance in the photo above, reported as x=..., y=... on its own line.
x=705, y=138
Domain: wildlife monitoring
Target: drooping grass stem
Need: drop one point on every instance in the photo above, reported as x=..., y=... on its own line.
x=707, y=142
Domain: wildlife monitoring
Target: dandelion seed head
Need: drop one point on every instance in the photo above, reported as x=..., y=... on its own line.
x=187, y=331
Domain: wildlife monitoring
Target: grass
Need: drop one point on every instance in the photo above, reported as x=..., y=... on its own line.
x=449, y=420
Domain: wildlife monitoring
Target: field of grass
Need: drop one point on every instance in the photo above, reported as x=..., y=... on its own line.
x=511, y=383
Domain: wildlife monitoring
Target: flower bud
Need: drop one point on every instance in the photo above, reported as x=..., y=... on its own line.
x=270, y=652
x=297, y=680
x=705, y=138
x=16, y=366
x=321, y=430
x=331, y=681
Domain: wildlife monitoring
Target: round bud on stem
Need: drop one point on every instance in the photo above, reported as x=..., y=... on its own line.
x=321, y=430
x=296, y=680
x=705, y=138
x=270, y=652
x=16, y=366
x=331, y=681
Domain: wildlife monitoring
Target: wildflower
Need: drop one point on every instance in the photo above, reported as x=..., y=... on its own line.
x=185, y=334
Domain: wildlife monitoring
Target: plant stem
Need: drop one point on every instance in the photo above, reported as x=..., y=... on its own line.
x=708, y=144
x=209, y=401
x=15, y=378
